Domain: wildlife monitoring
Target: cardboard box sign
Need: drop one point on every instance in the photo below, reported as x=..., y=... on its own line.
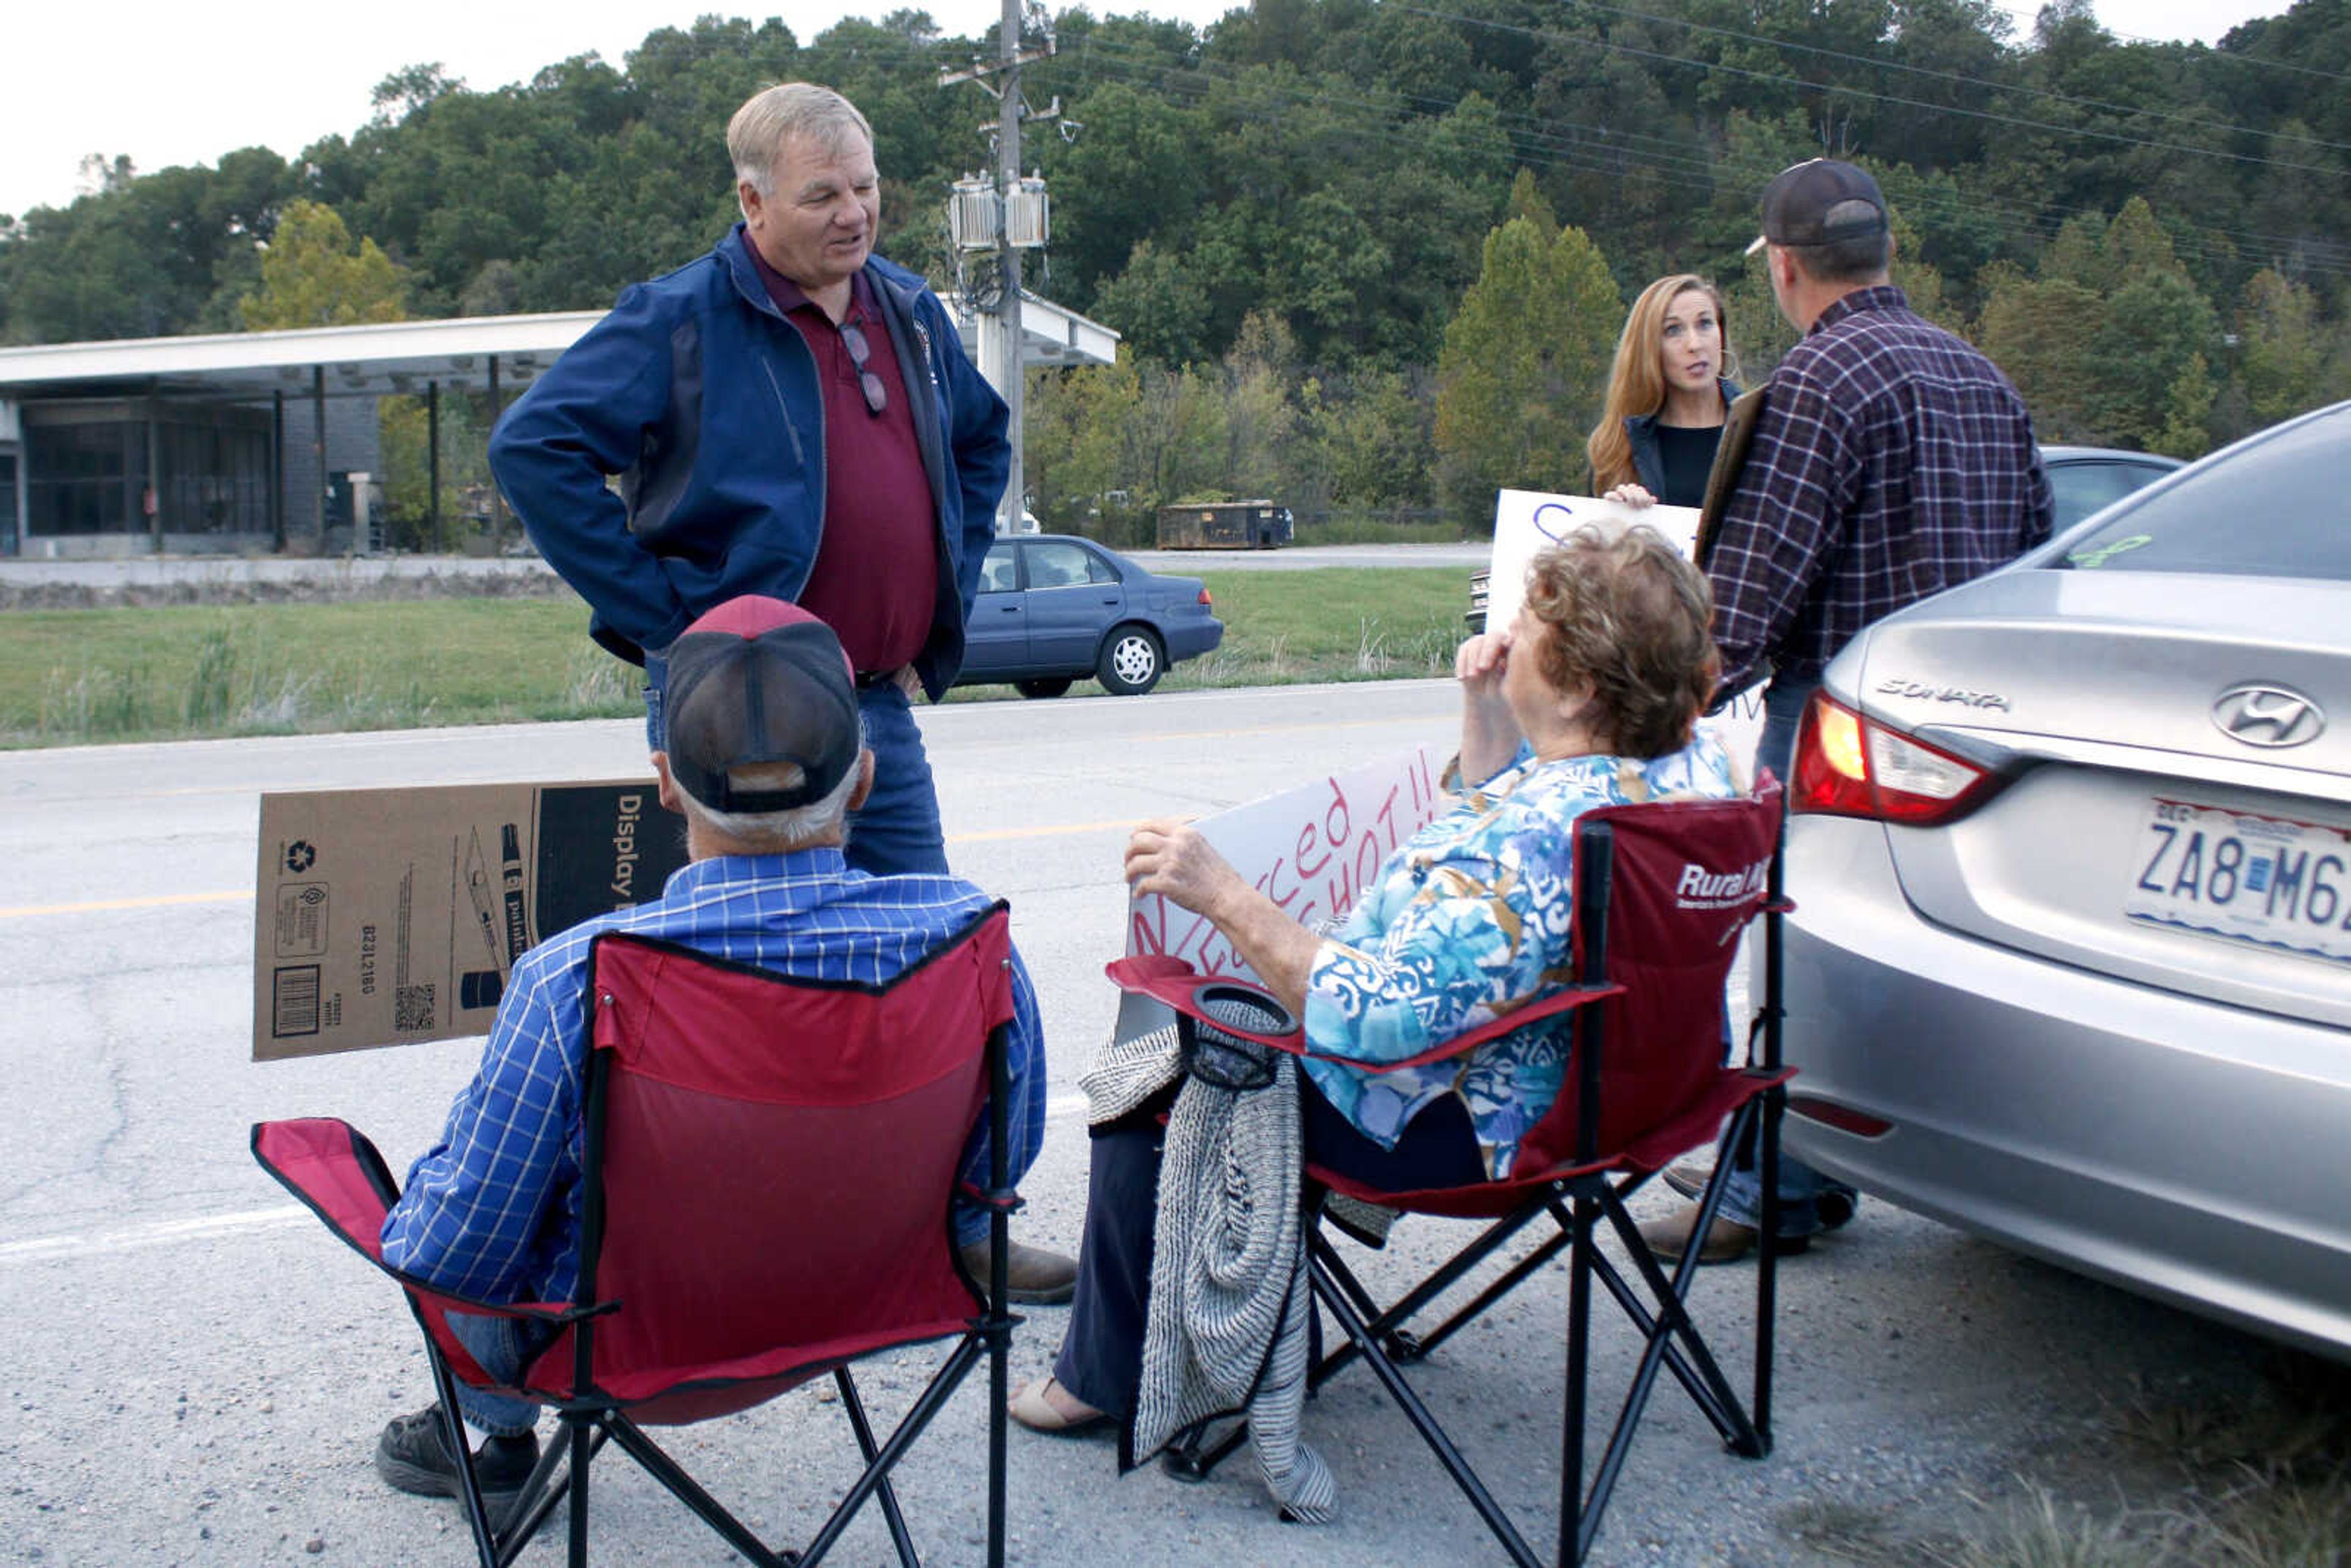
x=1312, y=850
x=391, y=916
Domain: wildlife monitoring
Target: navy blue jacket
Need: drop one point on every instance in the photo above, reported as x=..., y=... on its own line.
x=1640, y=430
x=705, y=400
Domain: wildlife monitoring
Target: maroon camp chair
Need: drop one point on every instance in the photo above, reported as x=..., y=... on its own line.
x=1662, y=892
x=768, y=1170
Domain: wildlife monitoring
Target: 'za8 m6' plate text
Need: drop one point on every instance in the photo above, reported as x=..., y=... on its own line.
x=2270, y=881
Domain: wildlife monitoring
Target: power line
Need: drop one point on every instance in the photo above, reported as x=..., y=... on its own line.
x=1962, y=78
x=1540, y=141
x=1768, y=77
x=2211, y=52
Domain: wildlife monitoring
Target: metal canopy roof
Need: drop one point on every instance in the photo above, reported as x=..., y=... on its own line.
x=402, y=357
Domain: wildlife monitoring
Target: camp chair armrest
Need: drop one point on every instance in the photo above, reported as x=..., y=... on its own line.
x=341, y=1178
x=337, y=1173
x=1567, y=999
x=1175, y=983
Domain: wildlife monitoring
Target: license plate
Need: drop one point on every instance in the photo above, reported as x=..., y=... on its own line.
x=2272, y=881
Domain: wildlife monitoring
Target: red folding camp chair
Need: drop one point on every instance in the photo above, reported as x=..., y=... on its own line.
x=768, y=1170
x=1662, y=892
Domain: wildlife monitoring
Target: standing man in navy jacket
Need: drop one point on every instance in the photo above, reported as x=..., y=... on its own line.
x=793, y=417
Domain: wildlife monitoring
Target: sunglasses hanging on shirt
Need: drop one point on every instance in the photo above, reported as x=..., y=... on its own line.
x=877, y=396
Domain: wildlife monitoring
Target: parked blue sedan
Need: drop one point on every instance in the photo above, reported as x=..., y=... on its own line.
x=1054, y=608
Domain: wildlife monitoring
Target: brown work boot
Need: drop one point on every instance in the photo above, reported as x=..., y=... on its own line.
x=1725, y=1241
x=1034, y=1276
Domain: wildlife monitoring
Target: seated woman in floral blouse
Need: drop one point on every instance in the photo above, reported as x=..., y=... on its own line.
x=1587, y=699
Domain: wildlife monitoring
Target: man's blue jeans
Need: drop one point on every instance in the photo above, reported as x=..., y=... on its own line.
x=898, y=831
x=501, y=1346
x=1801, y=1188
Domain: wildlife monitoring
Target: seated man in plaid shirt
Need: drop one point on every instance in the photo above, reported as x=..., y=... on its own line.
x=1891, y=461
x=493, y=1210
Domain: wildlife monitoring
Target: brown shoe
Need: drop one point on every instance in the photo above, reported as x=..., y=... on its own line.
x=1034, y=1277
x=1044, y=1405
x=1726, y=1240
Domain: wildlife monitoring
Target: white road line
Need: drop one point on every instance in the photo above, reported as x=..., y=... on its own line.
x=161, y=1233
x=212, y=1227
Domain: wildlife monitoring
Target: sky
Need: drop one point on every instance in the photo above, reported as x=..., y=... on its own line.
x=178, y=83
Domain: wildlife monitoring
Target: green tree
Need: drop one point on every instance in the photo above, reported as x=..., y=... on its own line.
x=2282, y=357
x=2185, y=432
x=1525, y=366
x=1372, y=442
x=1075, y=440
x=2034, y=330
x=312, y=276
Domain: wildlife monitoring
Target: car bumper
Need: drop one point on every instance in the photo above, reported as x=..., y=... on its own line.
x=2188, y=1151
x=1189, y=640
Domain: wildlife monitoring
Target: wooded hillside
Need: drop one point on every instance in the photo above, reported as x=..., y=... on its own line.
x=1286, y=214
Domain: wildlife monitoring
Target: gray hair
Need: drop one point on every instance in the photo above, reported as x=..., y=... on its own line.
x=772, y=832
x=774, y=115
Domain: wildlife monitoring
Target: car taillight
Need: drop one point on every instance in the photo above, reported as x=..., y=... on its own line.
x=1848, y=766
x=1205, y=599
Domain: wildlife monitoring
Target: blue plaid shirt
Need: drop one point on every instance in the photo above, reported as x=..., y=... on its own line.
x=492, y=1210
x=1892, y=460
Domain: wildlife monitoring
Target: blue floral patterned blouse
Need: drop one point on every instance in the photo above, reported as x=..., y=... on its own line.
x=1465, y=921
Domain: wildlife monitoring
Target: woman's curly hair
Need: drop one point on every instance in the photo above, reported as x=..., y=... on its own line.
x=1628, y=612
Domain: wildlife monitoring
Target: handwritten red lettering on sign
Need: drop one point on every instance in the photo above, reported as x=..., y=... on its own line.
x=1310, y=851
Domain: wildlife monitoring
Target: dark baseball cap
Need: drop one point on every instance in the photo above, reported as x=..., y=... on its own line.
x=759, y=681
x=1820, y=202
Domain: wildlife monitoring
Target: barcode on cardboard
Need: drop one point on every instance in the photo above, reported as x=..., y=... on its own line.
x=294, y=1000
x=412, y=1009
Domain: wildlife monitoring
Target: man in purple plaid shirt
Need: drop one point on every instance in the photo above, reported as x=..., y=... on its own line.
x=1891, y=461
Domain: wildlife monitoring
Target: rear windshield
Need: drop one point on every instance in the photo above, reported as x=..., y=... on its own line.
x=2280, y=508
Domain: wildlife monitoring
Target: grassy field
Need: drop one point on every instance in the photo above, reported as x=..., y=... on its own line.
x=71, y=677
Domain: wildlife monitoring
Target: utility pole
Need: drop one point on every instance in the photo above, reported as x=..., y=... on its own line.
x=1007, y=181
x=999, y=216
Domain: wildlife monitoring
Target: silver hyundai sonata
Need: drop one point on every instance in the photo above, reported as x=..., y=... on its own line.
x=2071, y=851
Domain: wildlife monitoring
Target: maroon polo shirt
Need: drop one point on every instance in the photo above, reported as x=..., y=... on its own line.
x=877, y=576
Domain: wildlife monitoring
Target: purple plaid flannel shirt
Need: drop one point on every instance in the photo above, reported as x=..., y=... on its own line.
x=1892, y=460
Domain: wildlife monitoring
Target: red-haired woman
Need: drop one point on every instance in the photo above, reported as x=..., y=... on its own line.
x=1667, y=397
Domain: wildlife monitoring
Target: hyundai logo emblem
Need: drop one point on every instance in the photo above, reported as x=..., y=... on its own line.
x=2261, y=715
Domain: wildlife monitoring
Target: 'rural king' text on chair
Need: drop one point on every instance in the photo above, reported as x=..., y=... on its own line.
x=769, y=1166
x=1662, y=892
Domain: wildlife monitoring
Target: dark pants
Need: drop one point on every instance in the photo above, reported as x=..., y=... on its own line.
x=1102, y=1350
x=1809, y=1201
x=897, y=832
x=501, y=1348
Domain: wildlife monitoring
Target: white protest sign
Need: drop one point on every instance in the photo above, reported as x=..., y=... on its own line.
x=1527, y=521
x=1312, y=850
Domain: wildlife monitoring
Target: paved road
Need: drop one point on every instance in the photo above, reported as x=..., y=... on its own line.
x=196, y=1371
x=349, y=573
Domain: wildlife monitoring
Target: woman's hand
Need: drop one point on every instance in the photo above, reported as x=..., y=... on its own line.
x=1630, y=495
x=1478, y=663
x=1490, y=731
x=1167, y=856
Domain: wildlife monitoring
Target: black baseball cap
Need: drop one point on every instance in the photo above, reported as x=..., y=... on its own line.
x=759, y=681
x=1820, y=202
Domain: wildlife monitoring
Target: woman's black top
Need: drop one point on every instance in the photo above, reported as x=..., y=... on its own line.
x=1685, y=453
x=1671, y=461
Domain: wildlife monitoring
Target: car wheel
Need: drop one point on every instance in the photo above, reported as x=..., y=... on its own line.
x=1131, y=662
x=1051, y=688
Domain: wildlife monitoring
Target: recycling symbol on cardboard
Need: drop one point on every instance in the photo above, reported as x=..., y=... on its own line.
x=300, y=856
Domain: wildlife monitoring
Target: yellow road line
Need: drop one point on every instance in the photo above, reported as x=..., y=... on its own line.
x=166, y=900
x=154, y=901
